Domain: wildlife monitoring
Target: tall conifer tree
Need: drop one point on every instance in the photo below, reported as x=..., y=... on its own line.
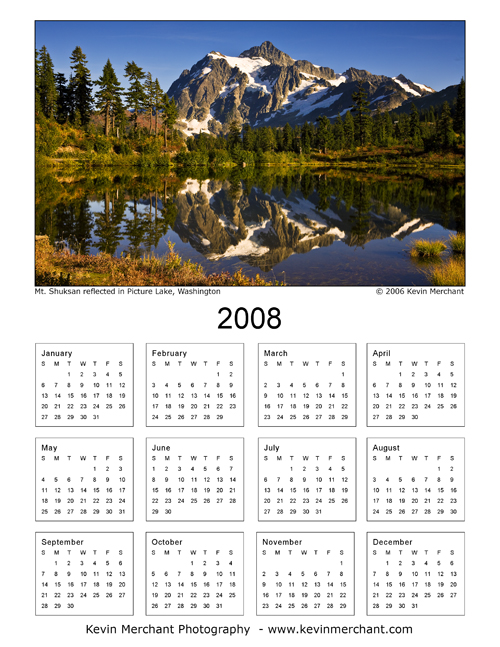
x=108, y=96
x=135, y=95
x=81, y=87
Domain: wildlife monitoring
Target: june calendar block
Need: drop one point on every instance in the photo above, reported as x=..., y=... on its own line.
x=195, y=479
x=197, y=574
x=307, y=479
x=416, y=479
x=305, y=573
x=84, y=573
x=415, y=385
x=307, y=385
x=84, y=385
x=416, y=573
x=194, y=385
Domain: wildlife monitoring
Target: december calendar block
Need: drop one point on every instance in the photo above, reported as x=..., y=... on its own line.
x=307, y=385
x=416, y=573
x=84, y=385
x=194, y=385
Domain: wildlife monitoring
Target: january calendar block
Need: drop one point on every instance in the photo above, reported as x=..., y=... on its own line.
x=84, y=573
x=194, y=573
x=194, y=479
x=305, y=574
x=416, y=573
x=307, y=479
x=307, y=385
x=84, y=479
x=415, y=385
x=194, y=385
x=415, y=479
x=84, y=385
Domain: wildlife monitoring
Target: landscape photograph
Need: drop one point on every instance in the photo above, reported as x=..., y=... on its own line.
x=249, y=153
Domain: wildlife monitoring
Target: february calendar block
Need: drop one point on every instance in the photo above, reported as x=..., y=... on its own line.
x=307, y=479
x=415, y=479
x=416, y=573
x=84, y=385
x=84, y=573
x=305, y=573
x=194, y=385
x=415, y=385
x=195, y=479
x=198, y=574
x=307, y=385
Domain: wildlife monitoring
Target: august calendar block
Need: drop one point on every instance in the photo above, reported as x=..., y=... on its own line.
x=84, y=385
x=194, y=385
x=307, y=385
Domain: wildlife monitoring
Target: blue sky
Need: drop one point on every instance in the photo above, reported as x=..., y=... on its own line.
x=429, y=52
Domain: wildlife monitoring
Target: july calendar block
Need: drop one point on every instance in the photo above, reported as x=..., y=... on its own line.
x=84, y=573
x=416, y=573
x=84, y=385
x=307, y=385
x=415, y=385
x=194, y=385
x=307, y=479
x=197, y=574
x=84, y=479
x=195, y=479
x=415, y=479
x=305, y=573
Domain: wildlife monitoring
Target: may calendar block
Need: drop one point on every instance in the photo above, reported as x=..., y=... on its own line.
x=84, y=573
x=84, y=479
x=307, y=385
x=84, y=385
x=194, y=479
x=415, y=479
x=416, y=573
x=415, y=385
x=307, y=479
x=194, y=574
x=305, y=574
x=194, y=385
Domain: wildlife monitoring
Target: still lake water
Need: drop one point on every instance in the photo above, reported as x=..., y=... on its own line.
x=304, y=227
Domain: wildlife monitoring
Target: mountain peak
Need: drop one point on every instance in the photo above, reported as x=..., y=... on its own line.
x=268, y=51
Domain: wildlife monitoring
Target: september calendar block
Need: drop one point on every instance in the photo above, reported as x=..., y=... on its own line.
x=307, y=479
x=416, y=479
x=307, y=385
x=416, y=573
x=195, y=479
x=305, y=573
x=84, y=385
x=197, y=574
x=194, y=385
x=84, y=573
x=415, y=385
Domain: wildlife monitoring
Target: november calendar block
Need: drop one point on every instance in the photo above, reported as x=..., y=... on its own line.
x=194, y=385
x=415, y=479
x=84, y=385
x=416, y=573
x=307, y=385
x=197, y=574
x=305, y=573
x=415, y=385
x=307, y=479
x=84, y=573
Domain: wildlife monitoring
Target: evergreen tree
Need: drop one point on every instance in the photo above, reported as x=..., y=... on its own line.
x=81, y=87
x=287, y=138
x=459, y=119
x=149, y=98
x=158, y=98
x=170, y=114
x=362, y=114
x=234, y=136
x=415, y=132
x=135, y=95
x=324, y=133
x=349, y=129
x=248, y=138
x=108, y=96
x=38, y=74
x=63, y=108
x=445, y=134
x=46, y=84
x=339, y=134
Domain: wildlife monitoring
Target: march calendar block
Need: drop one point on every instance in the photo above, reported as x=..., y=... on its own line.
x=195, y=479
x=84, y=385
x=416, y=573
x=84, y=573
x=305, y=573
x=307, y=385
x=194, y=385
x=198, y=574
x=307, y=479
x=415, y=479
x=415, y=385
